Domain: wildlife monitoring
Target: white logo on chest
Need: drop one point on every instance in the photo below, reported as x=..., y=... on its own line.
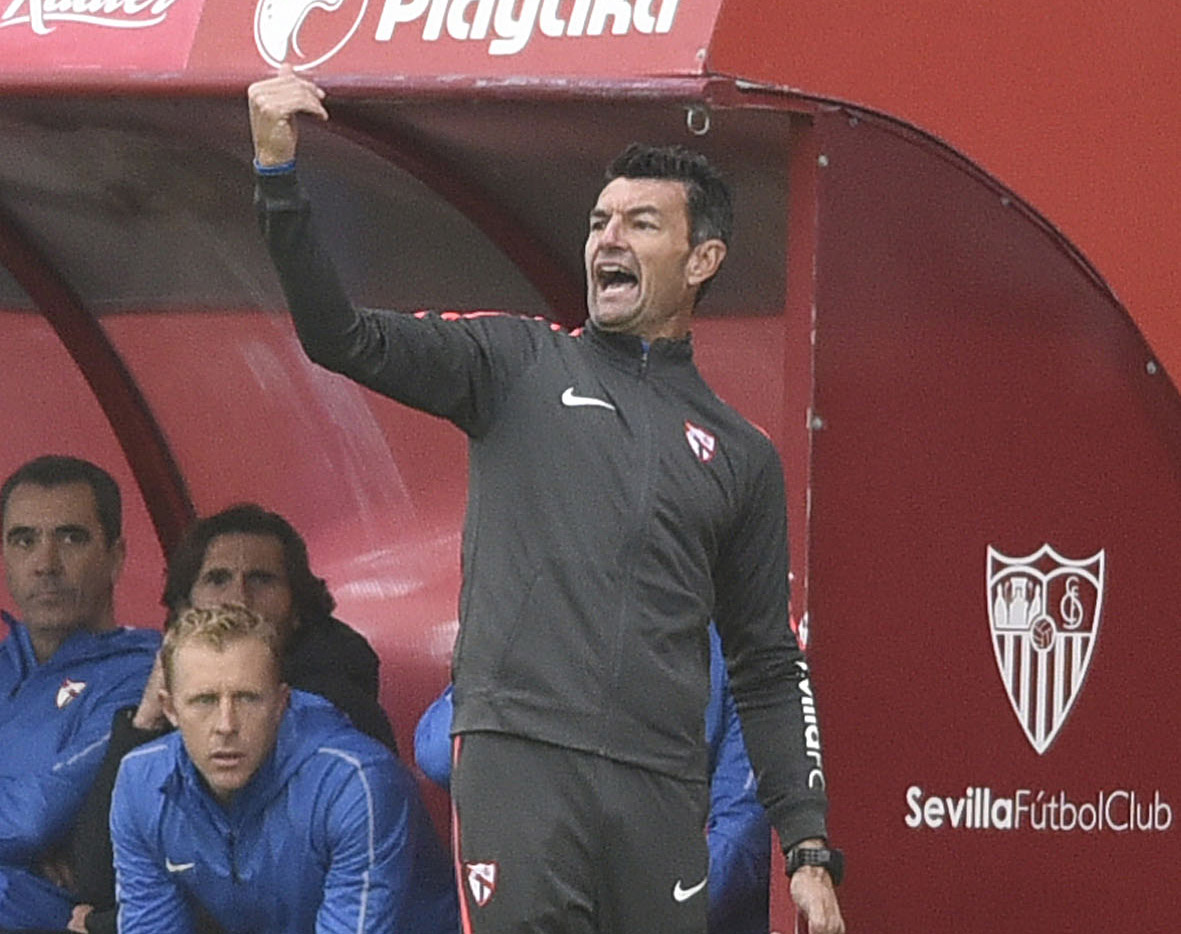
x=570, y=399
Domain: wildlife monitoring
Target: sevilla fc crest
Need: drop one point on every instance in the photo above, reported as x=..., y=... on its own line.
x=1044, y=613
x=68, y=691
x=481, y=881
x=701, y=441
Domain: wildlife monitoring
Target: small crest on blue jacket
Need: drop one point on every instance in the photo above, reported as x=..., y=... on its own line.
x=68, y=691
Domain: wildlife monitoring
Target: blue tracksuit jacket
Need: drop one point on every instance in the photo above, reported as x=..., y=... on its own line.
x=739, y=833
x=328, y=836
x=55, y=719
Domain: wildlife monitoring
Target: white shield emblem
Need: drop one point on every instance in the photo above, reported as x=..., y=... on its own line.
x=1044, y=613
x=68, y=691
x=481, y=879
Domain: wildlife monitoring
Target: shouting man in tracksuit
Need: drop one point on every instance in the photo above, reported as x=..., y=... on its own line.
x=615, y=506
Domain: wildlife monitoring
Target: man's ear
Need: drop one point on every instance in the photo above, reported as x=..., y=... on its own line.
x=166, y=702
x=118, y=551
x=704, y=261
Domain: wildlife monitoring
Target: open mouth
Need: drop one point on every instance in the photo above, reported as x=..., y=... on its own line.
x=612, y=277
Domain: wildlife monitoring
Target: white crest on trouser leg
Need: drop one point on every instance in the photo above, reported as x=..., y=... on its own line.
x=481, y=881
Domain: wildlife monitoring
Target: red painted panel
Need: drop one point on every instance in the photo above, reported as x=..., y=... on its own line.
x=219, y=39
x=124, y=36
x=457, y=37
x=1068, y=104
x=979, y=390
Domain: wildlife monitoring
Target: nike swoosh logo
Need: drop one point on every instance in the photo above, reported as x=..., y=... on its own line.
x=569, y=398
x=177, y=867
x=682, y=895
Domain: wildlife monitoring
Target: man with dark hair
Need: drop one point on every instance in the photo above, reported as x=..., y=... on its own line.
x=250, y=556
x=266, y=808
x=51, y=471
x=616, y=505
x=309, y=594
x=65, y=668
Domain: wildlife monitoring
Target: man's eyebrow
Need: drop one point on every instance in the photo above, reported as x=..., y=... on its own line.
x=630, y=212
x=15, y=530
x=69, y=528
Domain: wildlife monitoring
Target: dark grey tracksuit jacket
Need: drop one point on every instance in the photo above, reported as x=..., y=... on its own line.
x=615, y=506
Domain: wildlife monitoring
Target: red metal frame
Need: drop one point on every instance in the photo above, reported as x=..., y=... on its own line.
x=130, y=417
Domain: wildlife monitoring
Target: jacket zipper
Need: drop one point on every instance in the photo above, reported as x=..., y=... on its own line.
x=234, y=859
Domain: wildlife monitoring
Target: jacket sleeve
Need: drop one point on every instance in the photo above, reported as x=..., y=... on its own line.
x=448, y=365
x=37, y=808
x=150, y=901
x=90, y=846
x=30, y=902
x=768, y=674
x=738, y=833
x=432, y=740
x=366, y=889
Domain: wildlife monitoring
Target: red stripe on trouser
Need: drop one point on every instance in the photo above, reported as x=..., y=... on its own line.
x=464, y=918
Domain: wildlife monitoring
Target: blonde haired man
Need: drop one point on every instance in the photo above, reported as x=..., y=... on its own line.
x=266, y=807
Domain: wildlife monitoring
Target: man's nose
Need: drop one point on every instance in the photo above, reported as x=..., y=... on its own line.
x=237, y=591
x=227, y=716
x=48, y=557
x=611, y=233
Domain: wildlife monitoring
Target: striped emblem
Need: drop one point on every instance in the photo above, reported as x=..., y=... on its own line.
x=702, y=442
x=481, y=881
x=1044, y=612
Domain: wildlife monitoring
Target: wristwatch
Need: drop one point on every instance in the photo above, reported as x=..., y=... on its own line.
x=832, y=859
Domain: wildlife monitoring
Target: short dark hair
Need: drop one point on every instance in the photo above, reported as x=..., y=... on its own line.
x=711, y=208
x=309, y=594
x=54, y=470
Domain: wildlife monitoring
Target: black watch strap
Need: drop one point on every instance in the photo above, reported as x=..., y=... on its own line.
x=830, y=858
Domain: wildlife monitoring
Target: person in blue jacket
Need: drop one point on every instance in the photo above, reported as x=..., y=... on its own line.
x=266, y=807
x=738, y=830
x=65, y=668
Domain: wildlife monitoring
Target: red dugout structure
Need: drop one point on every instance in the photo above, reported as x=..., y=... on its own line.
x=952, y=301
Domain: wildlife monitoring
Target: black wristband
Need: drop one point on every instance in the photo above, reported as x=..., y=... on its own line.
x=829, y=858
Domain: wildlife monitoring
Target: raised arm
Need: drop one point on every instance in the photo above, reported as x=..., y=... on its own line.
x=449, y=365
